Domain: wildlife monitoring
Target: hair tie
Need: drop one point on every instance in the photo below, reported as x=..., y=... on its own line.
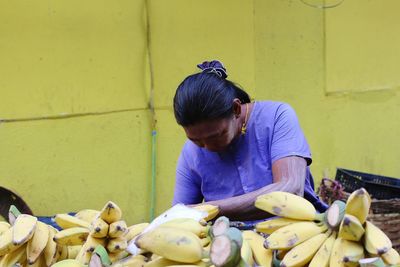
x=214, y=66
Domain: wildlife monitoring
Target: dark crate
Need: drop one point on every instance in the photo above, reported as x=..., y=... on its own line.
x=379, y=187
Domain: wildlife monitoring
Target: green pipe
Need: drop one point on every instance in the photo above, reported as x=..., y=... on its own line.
x=153, y=174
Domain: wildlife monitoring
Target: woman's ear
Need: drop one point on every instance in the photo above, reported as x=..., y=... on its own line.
x=237, y=109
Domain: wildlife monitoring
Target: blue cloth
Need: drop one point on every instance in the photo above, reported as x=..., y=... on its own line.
x=273, y=132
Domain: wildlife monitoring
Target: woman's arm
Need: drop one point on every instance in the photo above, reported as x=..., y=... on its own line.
x=289, y=175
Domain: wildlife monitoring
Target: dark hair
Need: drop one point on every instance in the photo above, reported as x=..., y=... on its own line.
x=206, y=95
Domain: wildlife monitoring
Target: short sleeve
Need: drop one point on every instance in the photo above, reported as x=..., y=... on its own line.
x=187, y=184
x=288, y=138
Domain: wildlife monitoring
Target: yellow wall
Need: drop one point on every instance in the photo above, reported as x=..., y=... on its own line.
x=74, y=86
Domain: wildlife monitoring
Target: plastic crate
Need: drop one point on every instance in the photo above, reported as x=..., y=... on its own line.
x=379, y=187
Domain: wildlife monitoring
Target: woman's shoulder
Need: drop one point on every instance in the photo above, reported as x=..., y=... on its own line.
x=270, y=109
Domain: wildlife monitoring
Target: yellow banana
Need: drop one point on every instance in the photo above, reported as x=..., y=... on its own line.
x=270, y=226
x=375, y=240
x=84, y=255
x=71, y=236
x=117, y=244
x=135, y=230
x=50, y=251
x=293, y=234
x=14, y=257
x=68, y=263
x=391, y=257
x=321, y=258
x=189, y=225
x=38, y=242
x=131, y=261
x=23, y=228
x=288, y=205
x=358, y=204
x=303, y=253
x=92, y=242
x=336, y=258
x=352, y=252
x=40, y=262
x=262, y=256
x=111, y=212
x=172, y=243
x=114, y=257
x=74, y=250
x=66, y=221
x=4, y=226
x=163, y=262
x=117, y=229
x=246, y=253
x=351, y=228
x=62, y=252
x=99, y=228
x=87, y=215
x=211, y=210
x=6, y=243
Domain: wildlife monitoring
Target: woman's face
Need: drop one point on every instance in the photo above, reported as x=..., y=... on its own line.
x=214, y=135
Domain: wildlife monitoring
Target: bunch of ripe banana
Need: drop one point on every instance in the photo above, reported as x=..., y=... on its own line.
x=341, y=236
x=90, y=229
x=27, y=241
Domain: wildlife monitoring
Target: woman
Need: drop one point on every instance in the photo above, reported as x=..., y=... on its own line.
x=237, y=149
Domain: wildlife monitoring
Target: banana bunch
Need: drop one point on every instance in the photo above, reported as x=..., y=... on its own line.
x=341, y=236
x=30, y=242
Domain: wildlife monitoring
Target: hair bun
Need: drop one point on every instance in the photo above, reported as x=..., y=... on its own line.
x=214, y=66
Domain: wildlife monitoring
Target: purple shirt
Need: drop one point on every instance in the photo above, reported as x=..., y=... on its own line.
x=273, y=132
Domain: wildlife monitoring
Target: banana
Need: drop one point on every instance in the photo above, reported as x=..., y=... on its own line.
x=62, y=252
x=172, y=243
x=131, y=261
x=99, y=228
x=205, y=241
x=6, y=243
x=293, y=234
x=92, y=242
x=111, y=212
x=161, y=262
x=68, y=263
x=117, y=244
x=391, y=257
x=135, y=230
x=73, y=251
x=66, y=221
x=375, y=240
x=288, y=205
x=23, y=228
x=262, y=256
x=351, y=228
x=71, y=236
x=114, y=257
x=40, y=262
x=346, y=253
x=270, y=226
x=336, y=258
x=87, y=215
x=246, y=253
x=4, y=226
x=211, y=210
x=14, y=257
x=13, y=213
x=321, y=258
x=352, y=252
x=117, y=229
x=188, y=224
x=50, y=251
x=37, y=243
x=358, y=204
x=303, y=253
x=84, y=255
x=100, y=257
